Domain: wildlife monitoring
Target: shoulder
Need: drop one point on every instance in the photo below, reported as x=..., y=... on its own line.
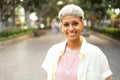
x=57, y=47
x=93, y=47
x=95, y=50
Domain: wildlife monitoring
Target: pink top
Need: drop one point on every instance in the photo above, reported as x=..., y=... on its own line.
x=67, y=66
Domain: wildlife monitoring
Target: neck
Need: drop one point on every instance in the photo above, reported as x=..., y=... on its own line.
x=74, y=44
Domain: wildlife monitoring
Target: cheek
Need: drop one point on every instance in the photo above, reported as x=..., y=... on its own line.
x=63, y=28
x=81, y=27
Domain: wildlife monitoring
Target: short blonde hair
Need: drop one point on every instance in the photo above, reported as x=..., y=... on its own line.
x=71, y=9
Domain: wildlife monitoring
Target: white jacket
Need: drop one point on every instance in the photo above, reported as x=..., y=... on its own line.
x=93, y=64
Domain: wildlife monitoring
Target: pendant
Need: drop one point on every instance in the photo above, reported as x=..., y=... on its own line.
x=67, y=72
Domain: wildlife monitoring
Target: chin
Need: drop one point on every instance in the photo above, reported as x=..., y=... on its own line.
x=73, y=38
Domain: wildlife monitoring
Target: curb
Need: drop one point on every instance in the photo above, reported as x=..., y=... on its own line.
x=15, y=40
x=105, y=37
x=12, y=41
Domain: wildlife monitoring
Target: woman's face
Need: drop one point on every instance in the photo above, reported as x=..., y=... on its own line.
x=72, y=27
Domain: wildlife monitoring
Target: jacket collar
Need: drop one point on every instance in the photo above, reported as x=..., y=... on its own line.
x=83, y=50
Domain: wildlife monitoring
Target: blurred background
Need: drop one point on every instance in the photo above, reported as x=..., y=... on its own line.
x=36, y=14
x=29, y=27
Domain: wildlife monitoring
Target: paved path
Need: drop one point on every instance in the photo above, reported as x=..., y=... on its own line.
x=22, y=60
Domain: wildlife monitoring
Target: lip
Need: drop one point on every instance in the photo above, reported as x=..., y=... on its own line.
x=72, y=34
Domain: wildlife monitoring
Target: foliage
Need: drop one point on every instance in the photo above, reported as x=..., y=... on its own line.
x=99, y=7
x=45, y=6
x=49, y=8
x=39, y=6
x=112, y=32
x=7, y=8
x=8, y=34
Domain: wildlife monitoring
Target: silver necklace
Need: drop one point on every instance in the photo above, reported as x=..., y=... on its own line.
x=68, y=69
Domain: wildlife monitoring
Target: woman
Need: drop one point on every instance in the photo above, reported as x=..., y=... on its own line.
x=75, y=58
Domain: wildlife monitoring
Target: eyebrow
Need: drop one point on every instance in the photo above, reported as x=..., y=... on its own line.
x=74, y=21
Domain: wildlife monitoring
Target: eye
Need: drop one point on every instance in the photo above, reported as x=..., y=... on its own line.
x=66, y=24
x=75, y=23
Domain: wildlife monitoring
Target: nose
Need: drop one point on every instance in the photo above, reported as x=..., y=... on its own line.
x=70, y=27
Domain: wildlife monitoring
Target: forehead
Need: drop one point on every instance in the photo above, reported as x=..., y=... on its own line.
x=70, y=18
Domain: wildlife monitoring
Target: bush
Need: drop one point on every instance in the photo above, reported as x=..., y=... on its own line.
x=8, y=34
x=112, y=32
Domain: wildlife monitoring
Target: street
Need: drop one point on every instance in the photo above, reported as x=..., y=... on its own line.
x=22, y=60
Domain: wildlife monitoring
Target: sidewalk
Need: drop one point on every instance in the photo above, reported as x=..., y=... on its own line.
x=105, y=37
x=15, y=40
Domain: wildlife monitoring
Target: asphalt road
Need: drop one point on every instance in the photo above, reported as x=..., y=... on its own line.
x=22, y=60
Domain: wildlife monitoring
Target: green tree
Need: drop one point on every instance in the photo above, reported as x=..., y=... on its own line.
x=98, y=8
x=7, y=8
x=43, y=8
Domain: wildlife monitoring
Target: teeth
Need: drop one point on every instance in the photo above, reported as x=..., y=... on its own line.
x=71, y=34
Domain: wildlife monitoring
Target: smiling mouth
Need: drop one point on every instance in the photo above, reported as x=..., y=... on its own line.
x=72, y=34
